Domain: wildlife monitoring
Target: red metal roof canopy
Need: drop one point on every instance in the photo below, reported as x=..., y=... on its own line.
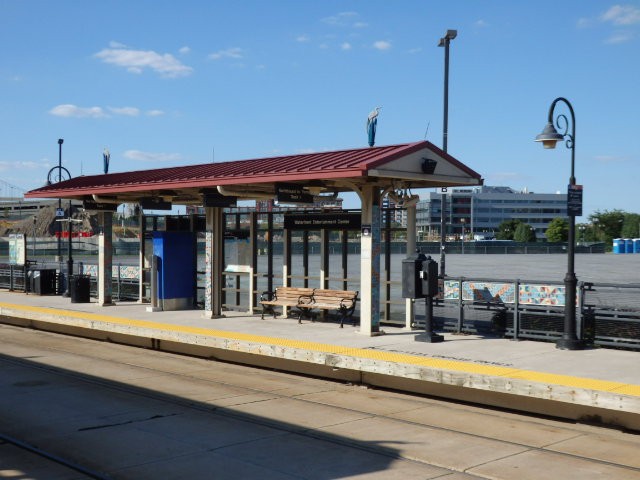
x=334, y=171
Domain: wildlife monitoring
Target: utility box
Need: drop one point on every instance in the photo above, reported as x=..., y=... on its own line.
x=429, y=276
x=43, y=282
x=176, y=269
x=412, y=275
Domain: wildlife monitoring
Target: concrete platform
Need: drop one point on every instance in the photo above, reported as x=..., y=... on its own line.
x=599, y=385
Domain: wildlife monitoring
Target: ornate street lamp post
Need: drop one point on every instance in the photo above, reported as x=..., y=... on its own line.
x=549, y=137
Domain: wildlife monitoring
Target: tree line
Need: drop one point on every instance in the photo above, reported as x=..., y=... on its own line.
x=601, y=227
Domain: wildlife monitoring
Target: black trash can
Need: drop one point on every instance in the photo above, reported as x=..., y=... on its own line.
x=80, y=289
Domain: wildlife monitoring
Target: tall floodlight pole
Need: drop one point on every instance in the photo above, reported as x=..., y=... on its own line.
x=549, y=137
x=59, y=228
x=444, y=42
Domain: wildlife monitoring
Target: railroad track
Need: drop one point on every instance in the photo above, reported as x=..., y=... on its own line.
x=161, y=397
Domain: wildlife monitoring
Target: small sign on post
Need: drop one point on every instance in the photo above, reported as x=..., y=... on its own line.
x=60, y=212
x=574, y=200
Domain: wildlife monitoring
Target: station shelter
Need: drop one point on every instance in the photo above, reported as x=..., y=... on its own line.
x=394, y=171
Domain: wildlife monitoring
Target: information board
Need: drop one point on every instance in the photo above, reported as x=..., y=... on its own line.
x=17, y=249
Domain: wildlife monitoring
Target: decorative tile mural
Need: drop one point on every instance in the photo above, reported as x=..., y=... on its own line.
x=542, y=295
x=553, y=295
x=489, y=292
x=130, y=272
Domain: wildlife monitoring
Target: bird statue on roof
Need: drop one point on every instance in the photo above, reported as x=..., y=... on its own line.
x=106, y=156
x=372, y=122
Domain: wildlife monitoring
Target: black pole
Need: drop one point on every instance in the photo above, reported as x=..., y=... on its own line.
x=70, y=256
x=444, y=42
x=35, y=220
x=59, y=227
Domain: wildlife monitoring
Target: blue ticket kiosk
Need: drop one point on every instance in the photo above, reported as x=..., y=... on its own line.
x=176, y=269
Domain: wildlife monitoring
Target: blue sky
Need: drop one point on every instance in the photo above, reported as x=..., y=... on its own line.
x=164, y=83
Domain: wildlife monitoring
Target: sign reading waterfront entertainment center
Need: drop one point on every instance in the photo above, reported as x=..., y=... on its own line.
x=322, y=221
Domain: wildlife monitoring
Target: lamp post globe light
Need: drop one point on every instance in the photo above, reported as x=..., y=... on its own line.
x=549, y=137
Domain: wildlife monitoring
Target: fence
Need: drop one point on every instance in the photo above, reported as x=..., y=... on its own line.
x=608, y=315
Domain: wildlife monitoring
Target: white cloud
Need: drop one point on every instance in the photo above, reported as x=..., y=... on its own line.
x=342, y=19
x=234, y=52
x=619, y=37
x=622, y=15
x=69, y=111
x=136, y=61
x=360, y=25
x=140, y=156
x=584, y=22
x=481, y=23
x=126, y=111
x=382, y=45
x=346, y=46
x=303, y=38
x=73, y=111
x=415, y=50
x=184, y=50
x=6, y=166
x=610, y=159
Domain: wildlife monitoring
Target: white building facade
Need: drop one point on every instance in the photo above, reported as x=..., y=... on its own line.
x=479, y=210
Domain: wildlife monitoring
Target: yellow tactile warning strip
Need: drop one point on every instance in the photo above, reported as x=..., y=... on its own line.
x=380, y=355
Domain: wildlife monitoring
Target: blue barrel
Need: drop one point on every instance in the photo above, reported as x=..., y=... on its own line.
x=636, y=245
x=628, y=245
x=618, y=245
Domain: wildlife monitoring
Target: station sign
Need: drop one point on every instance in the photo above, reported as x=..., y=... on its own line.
x=574, y=200
x=215, y=199
x=98, y=207
x=59, y=212
x=154, y=204
x=322, y=221
x=292, y=193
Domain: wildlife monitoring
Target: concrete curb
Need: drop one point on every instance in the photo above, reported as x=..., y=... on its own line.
x=564, y=396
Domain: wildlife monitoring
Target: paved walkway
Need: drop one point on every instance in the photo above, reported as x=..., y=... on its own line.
x=596, y=384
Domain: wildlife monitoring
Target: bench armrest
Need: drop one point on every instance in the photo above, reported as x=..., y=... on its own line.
x=305, y=299
x=266, y=295
x=348, y=302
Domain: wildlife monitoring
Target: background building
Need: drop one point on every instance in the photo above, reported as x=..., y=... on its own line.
x=476, y=210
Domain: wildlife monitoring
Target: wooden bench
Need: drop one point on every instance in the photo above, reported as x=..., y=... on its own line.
x=343, y=301
x=291, y=297
x=304, y=300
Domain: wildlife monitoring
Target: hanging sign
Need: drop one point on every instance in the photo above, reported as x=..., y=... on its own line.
x=92, y=206
x=215, y=199
x=292, y=193
x=574, y=201
x=322, y=221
